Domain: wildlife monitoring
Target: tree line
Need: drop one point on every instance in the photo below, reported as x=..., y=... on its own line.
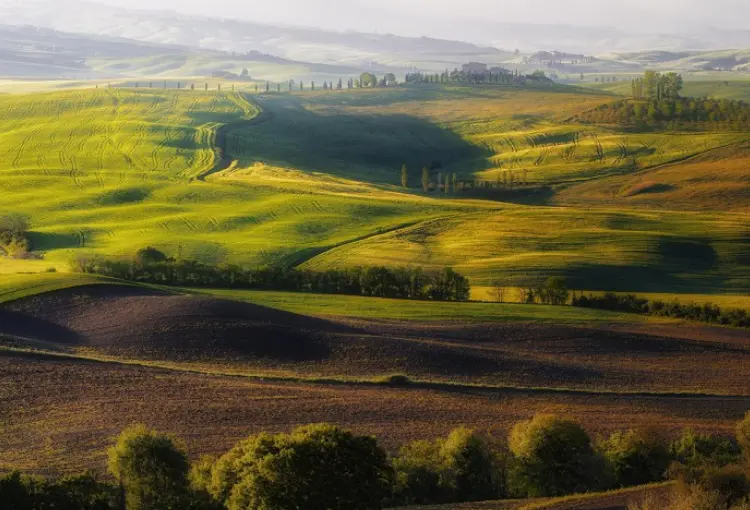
x=447, y=182
x=657, y=86
x=708, y=313
x=655, y=99
x=324, y=467
x=152, y=266
x=500, y=76
x=682, y=113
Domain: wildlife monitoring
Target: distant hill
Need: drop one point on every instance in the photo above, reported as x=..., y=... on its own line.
x=376, y=51
x=43, y=53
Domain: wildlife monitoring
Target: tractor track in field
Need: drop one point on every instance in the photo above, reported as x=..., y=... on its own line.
x=298, y=258
x=223, y=158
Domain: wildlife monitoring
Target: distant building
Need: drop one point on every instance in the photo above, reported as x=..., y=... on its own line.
x=474, y=68
x=499, y=70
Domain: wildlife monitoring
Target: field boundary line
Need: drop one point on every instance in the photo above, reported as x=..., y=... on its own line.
x=374, y=382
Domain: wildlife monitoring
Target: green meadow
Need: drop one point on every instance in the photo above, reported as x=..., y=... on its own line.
x=312, y=180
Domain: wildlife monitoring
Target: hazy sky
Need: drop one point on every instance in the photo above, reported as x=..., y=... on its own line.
x=410, y=17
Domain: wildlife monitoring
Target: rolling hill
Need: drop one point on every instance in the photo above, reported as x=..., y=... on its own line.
x=309, y=179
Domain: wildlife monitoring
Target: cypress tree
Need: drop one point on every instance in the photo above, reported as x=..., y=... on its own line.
x=404, y=176
x=426, y=179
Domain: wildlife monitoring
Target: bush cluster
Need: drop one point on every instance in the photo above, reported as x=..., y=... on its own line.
x=323, y=467
x=708, y=313
x=151, y=266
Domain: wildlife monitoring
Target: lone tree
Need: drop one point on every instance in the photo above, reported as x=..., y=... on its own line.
x=426, y=179
x=404, y=176
x=368, y=80
x=151, y=469
x=320, y=467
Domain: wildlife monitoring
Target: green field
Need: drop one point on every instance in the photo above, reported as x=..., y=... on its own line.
x=312, y=180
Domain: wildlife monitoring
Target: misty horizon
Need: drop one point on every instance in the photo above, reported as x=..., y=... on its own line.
x=475, y=21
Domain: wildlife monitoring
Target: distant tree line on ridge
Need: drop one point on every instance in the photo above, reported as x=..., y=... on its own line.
x=447, y=182
x=324, y=467
x=656, y=101
x=708, y=313
x=498, y=76
x=152, y=266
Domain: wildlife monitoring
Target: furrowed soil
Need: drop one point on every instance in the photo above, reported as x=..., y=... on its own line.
x=59, y=415
x=180, y=363
x=223, y=335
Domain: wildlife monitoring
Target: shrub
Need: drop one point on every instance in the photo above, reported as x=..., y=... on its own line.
x=319, y=467
x=397, y=380
x=637, y=457
x=700, y=450
x=554, y=457
x=151, y=469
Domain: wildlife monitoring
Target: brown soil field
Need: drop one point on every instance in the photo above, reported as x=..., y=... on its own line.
x=59, y=415
x=138, y=324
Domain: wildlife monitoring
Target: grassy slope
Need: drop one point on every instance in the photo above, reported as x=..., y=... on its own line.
x=312, y=183
x=374, y=308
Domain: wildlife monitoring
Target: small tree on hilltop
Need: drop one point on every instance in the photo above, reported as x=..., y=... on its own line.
x=368, y=80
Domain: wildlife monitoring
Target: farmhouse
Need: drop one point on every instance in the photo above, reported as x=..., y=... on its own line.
x=474, y=68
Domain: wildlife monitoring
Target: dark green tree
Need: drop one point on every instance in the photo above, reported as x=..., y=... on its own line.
x=554, y=457
x=151, y=469
x=319, y=467
x=404, y=176
x=637, y=457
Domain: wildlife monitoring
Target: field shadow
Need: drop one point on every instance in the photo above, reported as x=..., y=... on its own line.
x=368, y=147
x=692, y=254
x=23, y=325
x=44, y=241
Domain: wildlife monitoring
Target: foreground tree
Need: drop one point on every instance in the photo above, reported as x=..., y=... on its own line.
x=151, y=470
x=320, y=467
x=637, y=457
x=554, y=457
x=464, y=466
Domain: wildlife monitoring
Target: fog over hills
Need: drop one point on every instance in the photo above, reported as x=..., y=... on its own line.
x=491, y=36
